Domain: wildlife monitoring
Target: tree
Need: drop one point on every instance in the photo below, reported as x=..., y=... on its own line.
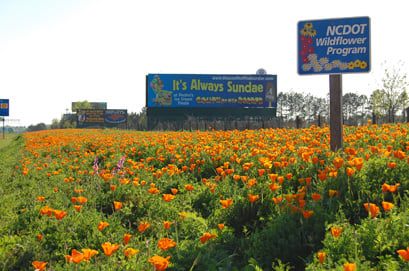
x=82, y=105
x=351, y=105
x=392, y=96
x=138, y=121
x=37, y=127
x=55, y=124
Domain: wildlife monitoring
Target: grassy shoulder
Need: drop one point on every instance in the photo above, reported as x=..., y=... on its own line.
x=10, y=153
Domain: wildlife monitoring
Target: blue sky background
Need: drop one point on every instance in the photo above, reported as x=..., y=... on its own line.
x=55, y=52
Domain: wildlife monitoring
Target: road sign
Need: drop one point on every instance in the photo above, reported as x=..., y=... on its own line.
x=4, y=107
x=334, y=46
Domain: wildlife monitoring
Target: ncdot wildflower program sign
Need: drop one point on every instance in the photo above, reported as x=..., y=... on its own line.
x=334, y=46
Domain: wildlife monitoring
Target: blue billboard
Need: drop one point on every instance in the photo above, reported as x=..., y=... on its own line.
x=101, y=117
x=211, y=90
x=4, y=107
x=334, y=46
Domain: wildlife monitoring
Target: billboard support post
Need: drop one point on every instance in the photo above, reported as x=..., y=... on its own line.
x=335, y=111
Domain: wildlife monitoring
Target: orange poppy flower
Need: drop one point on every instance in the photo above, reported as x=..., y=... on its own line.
x=75, y=257
x=127, y=237
x=392, y=165
x=174, y=191
x=332, y=193
x=118, y=205
x=393, y=188
x=110, y=248
x=46, y=210
x=338, y=162
x=251, y=182
x=129, y=252
x=322, y=175
x=206, y=236
x=226, y=203
x=102, y=225
x=350, y=171
x=81, y=200
x=274, y=186
x=273, y=177
x=277, y=200
x=385, y=187
x=189, y=187
x=221, y=226
x=316, y=196
x=143, y=226
x=78, y=207
x=40, y=266
x=165, y=243
x=40, y=199
x=252, y=198
x=168, y=197
x=74, y=199
x=159, y=262
x=280, y=179
x=59, y=214
x=404, y=253
x=308, y=180
x=166, y=225
x=321, y=257
x=113, y=187
x=336, y=232
x=372, y=208
x=153, y=190
x=290, y=197
x=307, y=214
x=40, y=237
x=349, y=266
x=359, y=162
x=387, y=206
x=88, y=253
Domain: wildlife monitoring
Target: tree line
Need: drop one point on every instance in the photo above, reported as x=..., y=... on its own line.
x=389, y=103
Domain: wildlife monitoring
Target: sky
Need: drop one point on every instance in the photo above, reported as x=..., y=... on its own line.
x=53, y=53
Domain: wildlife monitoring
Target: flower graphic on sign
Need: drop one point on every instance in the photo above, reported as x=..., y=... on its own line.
x=163, y=97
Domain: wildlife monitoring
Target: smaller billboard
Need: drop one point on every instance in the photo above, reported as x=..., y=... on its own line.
x=115, y=116
x=4, y=107
x=95, y=105
x=101, y=117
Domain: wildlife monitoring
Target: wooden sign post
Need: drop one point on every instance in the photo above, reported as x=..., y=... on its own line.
x=335, y=111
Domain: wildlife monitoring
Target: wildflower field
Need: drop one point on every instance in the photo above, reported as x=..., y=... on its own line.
x=270, y=199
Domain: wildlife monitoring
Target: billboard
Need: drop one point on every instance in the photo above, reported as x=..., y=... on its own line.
x=334, y=46
x=211, y=90
x=95, y=105
x=101, y=117
x=4, y=107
